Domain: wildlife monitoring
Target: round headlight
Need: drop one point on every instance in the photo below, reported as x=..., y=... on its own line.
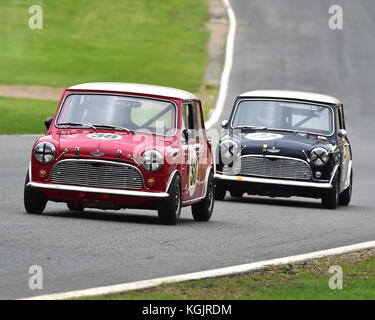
x=319, y=156
x=229, y=150
x=152, y=160
x=44, y=152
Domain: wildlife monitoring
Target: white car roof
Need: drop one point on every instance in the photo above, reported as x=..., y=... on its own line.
x=287, y=94
x=136, y=88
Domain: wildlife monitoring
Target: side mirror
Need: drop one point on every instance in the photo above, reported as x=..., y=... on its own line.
x=342, y=133
x=224, y=124
x=48, y=122
x=186, y=134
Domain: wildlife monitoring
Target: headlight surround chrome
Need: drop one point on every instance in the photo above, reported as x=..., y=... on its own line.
x=44, y=152
x=319, y=156
x=229, y=150
x=152, y=160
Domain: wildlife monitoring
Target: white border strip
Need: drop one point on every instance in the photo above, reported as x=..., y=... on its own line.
x=227, y=68
x=203, y=274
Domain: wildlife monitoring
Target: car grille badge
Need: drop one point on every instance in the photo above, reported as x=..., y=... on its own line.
x=273, y=150
x=97, y=153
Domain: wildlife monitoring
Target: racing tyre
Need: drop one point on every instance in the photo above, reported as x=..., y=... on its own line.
x=170, y=210
x=236, y=194
x=330, y=199
x=220, y=191
x=35, y=202
x=346, y=195
x=202, y=211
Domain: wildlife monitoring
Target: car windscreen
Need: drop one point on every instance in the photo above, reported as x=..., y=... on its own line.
x=284, y=115
x=133, y=113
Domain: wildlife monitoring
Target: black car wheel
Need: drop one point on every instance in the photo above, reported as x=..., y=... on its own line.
x=75, y=207
x=170, y=209
x=220, y=191
x=35, y=202
x=202, y=211
x=236, y=193
x=346, y=195
x=330, y=199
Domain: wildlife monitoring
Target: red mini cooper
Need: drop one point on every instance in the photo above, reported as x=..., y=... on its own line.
x=119, y=145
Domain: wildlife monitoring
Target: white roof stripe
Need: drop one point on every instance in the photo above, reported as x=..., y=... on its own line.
x=287, y=94
x=136, y=88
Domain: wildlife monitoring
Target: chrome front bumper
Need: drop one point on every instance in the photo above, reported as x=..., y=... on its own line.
x=307, y=184
x=133, y=193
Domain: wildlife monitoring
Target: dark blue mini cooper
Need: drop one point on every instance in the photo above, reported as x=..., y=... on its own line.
x=283, y=144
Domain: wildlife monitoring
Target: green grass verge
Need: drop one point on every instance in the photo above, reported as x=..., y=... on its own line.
x=26, y=116
x=21, y=116
x=147, y=41
x=144, y=41
x=309, y=281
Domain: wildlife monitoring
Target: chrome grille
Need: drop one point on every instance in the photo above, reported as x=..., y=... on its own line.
x=97, y=174
x=279, y=168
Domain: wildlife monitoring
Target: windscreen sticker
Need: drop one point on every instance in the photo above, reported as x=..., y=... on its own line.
x=104, y=136
x=263, y=136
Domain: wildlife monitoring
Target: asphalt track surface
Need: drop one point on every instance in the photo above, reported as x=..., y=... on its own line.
x=279, y=45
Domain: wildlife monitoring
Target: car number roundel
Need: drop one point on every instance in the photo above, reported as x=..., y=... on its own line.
x=193, y=170
x=103, y=136
x=263, y=136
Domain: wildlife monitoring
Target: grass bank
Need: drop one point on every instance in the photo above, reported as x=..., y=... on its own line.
x=145, y=41
x=24, y=116
x=307, y=281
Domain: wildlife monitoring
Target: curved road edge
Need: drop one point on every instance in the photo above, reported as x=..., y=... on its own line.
x=228, y=271
x=223, y=89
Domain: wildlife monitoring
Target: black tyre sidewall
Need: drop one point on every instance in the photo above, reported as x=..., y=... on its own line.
x=202, y=211
x=168, y=212
x=220, y=190
x=34, y=202
x=236, y=194
x=346, y=195
x=330, y=199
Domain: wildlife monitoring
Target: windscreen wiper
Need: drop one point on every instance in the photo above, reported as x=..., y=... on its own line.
x=76, y=124
x=251, y=127
x=108, y=126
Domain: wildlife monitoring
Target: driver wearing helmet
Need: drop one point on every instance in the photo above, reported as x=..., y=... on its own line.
x=267, y=115
x=123, y=114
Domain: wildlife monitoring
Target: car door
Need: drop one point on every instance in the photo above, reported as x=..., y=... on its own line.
x=190, y=171
x=201, y=146
x=345, y=149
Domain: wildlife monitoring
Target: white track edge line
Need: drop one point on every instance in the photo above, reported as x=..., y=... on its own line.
x=219, y=106
x=227, y=271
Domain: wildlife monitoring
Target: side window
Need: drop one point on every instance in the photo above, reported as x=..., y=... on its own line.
x=185, y=117
x=189, y=117
x=200, y=124
x=199, y=116
x=340, y=122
